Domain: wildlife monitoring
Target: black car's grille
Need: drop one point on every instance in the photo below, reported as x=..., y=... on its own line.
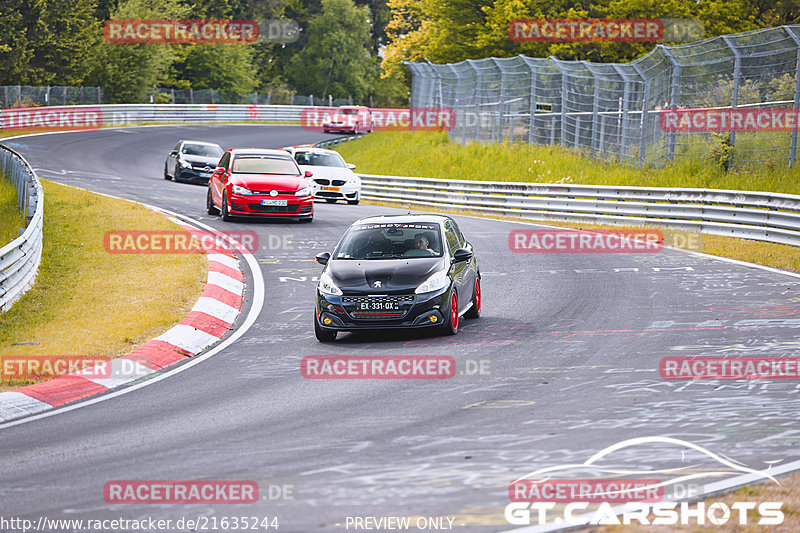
x=378, y=315
x=274, y=208
x=339, y=183
x=321, y=181
x=389, y=298
x=201, y=166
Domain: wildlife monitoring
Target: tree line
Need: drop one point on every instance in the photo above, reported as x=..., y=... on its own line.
x=346, y=48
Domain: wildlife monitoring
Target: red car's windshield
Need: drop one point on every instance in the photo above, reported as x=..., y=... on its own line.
x=264, y=164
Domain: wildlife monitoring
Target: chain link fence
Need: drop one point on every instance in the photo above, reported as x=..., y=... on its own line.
x=612, y=110
x=13, y=96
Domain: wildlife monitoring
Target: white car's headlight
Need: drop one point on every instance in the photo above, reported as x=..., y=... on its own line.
x=305, y=191
x=327, y=286
x=185, y=164
x=437, y=281
x=238, y=189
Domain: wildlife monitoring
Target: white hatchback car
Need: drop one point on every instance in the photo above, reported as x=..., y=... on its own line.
x=333, y=178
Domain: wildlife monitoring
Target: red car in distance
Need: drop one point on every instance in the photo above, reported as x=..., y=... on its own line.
x=349, y=118
x=255, y=182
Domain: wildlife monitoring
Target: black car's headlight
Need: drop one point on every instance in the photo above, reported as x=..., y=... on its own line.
x=437, y=281
x=327, y=286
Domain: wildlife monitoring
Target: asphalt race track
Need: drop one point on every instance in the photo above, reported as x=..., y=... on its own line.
x=572, y=344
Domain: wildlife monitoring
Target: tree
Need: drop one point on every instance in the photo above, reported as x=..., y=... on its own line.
x=129, y=71
x=46, y=42
x=224, y=67
x=337, y=58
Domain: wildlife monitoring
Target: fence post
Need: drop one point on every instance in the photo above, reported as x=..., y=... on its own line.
x=737, y=74
x=212, y=95
x=311, y=100
x=19, y=95
x=5, y=96
x=626, y=95
x=595, y=111
x=674, y=96
x=643, y=120
x=172, y=94
x=796, y=99
x=477, y=100
x=563, y=102
x=191, y=95
x=532, y=111
x=98, y=96
x=501, y=118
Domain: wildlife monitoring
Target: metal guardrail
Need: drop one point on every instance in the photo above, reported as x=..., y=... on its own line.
x=760, y=216
x=334, y=142
x=19, y=259
x=64, y=117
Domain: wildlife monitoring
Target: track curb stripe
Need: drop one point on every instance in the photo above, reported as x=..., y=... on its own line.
x=211, y=318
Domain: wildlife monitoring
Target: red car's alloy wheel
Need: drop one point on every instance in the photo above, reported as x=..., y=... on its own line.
x=454, y=311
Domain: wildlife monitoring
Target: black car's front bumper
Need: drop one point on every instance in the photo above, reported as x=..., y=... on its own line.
x=343, y=313
x=192, y=174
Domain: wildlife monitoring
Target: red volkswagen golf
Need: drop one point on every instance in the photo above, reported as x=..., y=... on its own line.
x=259, y=182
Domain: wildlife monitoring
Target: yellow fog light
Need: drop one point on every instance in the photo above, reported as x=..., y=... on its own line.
x=327, y=321
x=433, y=318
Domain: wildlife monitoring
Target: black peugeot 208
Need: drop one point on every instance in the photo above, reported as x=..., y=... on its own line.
x=397, y=271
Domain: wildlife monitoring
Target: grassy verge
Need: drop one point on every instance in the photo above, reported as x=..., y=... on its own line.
x=433, y=155
x=11, y=220
x=88, y=302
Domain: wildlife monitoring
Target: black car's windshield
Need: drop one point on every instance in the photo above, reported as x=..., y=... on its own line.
x=390, y=241
x=205, y=150
x=319, y=160
x=264, y=164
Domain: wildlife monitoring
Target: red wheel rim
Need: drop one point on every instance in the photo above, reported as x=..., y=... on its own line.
x=478, y=295
x=454, y=311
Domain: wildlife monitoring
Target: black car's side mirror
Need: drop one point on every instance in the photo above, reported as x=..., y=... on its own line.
x=323, y=258
x=462, y=254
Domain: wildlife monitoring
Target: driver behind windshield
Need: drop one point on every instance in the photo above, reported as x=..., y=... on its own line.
x=421, y=247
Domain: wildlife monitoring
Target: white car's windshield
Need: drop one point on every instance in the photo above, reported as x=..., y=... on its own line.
x=390, y=241
x=319, y=160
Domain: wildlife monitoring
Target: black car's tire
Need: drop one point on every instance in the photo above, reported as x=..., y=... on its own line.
x=211, y=209
x=330, y=200
x=225, y=215
x=475, y=310
x=166, y=176
x=451, y=324
x=323, y=335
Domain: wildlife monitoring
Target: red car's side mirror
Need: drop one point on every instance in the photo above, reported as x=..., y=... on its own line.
x=308, y=173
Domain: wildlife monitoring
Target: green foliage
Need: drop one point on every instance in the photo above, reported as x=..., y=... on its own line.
x=46, y=42
x=131, y=71
x=337, y=58
x=225, y=67
x=721, y=152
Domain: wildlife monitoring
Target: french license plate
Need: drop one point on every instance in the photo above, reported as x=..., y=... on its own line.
x=273, y=202
x=377, y=305
x=205, y=174
x=331, y=189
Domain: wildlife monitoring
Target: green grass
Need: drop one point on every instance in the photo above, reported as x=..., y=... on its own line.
x=433, y=155
x=86, y=301
x=11, y=219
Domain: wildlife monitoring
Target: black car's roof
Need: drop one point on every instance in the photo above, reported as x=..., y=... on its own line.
x=403, y=219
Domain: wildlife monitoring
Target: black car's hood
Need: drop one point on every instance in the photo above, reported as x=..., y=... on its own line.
x=210, y=161
x=391, y=275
